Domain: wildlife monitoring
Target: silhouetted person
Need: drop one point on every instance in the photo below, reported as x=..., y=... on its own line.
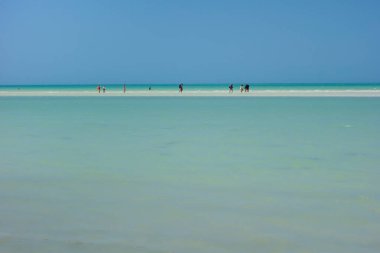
x=231, y=88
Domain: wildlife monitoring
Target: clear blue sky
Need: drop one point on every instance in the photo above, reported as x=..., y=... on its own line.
x=190, y=41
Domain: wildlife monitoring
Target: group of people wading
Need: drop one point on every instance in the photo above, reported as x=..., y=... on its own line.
x=100, y=88
x=244, y=88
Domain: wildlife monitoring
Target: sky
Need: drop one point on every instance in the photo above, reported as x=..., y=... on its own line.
x=197, y=41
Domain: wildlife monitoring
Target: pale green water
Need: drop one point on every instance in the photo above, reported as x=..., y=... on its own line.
x=189, y=174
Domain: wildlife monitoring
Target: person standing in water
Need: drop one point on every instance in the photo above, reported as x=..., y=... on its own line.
x=246, y=88
x=231, y=88
x=104, y=89
x=241, y=88
x=180, y=87
x=98, y=88
x=124, y=88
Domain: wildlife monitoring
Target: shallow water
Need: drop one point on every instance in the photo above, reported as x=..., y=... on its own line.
x=103, y=174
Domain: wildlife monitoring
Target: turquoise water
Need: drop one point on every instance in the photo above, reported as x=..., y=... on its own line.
x=140, y=174
x=194, y=87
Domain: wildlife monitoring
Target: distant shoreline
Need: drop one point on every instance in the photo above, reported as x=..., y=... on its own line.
x=192, y=93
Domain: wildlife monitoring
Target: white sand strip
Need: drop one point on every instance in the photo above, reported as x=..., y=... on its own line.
x=210, y=93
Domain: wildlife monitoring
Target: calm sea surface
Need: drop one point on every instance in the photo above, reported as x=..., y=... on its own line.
x=129, y=174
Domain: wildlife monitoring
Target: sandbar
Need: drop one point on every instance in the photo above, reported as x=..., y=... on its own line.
x=198, y=93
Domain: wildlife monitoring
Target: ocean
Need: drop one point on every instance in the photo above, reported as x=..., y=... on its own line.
x=193, y=87
x=189, y=174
